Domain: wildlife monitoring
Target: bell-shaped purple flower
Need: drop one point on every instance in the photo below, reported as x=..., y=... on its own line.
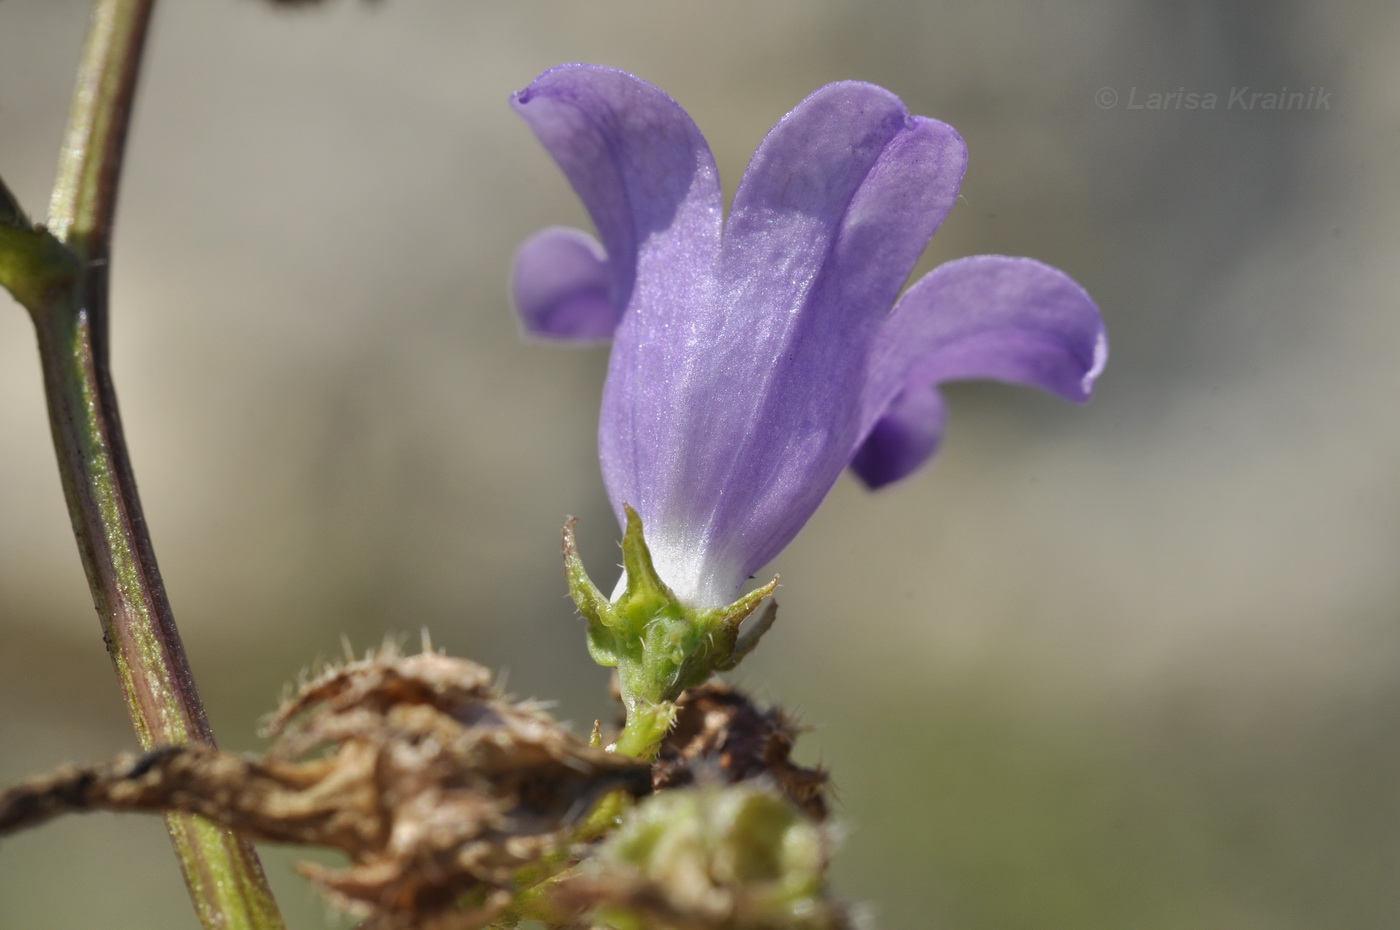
x=755, y=359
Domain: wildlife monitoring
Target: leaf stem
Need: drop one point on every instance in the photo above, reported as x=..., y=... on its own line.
x=225, y=879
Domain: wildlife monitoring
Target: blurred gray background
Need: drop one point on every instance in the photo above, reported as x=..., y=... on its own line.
x=1135, y=665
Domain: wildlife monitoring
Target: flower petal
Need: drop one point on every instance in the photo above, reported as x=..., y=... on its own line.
x=641, y=168
x=752, y=402
x=836, y=206
x=560, y=286
x=649, y=182
x=904, y=438
x=988, y=316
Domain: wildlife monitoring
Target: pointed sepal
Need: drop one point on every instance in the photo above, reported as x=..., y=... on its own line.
x=646, y=596
x=749, y=638
x=591, y=603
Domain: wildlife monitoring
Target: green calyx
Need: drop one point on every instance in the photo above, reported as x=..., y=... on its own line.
x=659, y=646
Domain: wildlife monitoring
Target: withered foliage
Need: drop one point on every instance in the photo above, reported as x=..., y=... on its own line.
x=720, y=733
x=438, y=789
x=449, y=799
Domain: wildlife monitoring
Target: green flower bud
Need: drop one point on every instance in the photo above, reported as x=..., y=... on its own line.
x=738, y=857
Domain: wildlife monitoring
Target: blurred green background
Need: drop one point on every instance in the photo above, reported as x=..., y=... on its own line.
x=1135, y=665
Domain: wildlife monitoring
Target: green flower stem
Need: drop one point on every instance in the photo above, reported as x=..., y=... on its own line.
x=69, y=307
x=645, y=728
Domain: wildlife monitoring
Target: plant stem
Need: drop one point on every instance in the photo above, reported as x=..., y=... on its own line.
x=645, y=729
x=225, y=879
x=84, y=200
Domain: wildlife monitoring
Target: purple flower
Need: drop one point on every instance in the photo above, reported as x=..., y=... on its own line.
x=755, y=359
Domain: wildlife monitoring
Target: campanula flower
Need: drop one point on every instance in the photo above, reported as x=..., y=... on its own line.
x=754, y=359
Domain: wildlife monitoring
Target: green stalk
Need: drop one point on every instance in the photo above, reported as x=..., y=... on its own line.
x=225, y=879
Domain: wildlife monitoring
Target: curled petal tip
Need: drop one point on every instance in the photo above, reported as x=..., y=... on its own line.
x=560, y=285
x=1097, y=366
